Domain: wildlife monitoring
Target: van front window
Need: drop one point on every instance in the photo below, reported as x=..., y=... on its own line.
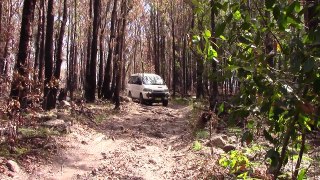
x=152, y=80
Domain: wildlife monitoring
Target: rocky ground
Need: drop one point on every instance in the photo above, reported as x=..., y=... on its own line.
x=138, y=142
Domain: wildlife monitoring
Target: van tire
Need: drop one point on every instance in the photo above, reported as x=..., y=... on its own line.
x=141, y=99
x=165, y=103
x=130, y=95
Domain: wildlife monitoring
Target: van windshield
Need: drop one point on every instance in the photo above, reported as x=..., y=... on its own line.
x=152, y=80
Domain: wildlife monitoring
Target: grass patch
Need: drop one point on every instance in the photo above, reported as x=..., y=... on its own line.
x=202, y=134
x=4, y=150
x=181, y=101
x=39, y=132
x=99, y=118
x=197, y=146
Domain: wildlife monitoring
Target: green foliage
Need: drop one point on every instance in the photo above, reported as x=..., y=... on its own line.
x=281, y=86
x=202, y=134
x=197, y=146
x=237, y=163
x=39, y=132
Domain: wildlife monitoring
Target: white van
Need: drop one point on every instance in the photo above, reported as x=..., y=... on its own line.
x=148, y=88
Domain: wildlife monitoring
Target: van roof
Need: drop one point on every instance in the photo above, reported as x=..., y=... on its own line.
x=144, y=74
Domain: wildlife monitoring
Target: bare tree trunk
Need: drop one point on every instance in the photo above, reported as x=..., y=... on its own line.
x=213, y=80
x=42, y=42
x=59, y=49
x=19, y=85
x=101, y=64
x=37, y=46
x=174, y=74
x=49, y=100
x=2, y=60
x=91, y=77
x=107, y=92
x=120, y=45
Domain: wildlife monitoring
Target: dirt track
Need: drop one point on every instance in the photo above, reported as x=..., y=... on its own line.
x=141, y=142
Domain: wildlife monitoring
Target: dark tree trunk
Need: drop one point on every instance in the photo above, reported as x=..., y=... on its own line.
x=19, y=85
x=2, y=60
x=213, y=80
x=91, y=77
x=101, y=64
x=310, y=15
x=49, y=100
x=42, y=42
x=106, y=89
x=37, y=46
x=184, y=62
x=59, y=49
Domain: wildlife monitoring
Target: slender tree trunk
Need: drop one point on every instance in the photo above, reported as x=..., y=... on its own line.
x=101, y=64
x=49, y=100
x=42, y=42
x=107, y=92
x=213, y=80
x=19, y=85
x=184, y=60
x=2, y=60
x=1, y=2
x=174, y=74
x=37, y=46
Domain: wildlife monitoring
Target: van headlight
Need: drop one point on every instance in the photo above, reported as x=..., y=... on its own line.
x=166, y=90
x=147, y=90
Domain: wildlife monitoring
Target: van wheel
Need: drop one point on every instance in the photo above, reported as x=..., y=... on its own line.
x=165, y=103
x=141, y=99
x=130, y=95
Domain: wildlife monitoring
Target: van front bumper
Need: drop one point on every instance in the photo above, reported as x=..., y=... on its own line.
x=157, y=96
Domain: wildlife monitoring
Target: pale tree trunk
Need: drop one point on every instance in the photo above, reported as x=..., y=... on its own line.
x=59, y=49
x=120, y=46
x=174, y=73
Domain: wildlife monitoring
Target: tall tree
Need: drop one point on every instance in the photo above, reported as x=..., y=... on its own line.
x=174, y=73
x=59, y=60
x=42, y=41
x=91, y=77
x=49, y=82
x=19, y=85
x=213, y=78
x=119, y=51
x=106, y=89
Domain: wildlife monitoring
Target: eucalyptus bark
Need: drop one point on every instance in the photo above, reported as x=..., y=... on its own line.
x=42, y=42
x=59, y=49
x=91, y=77
x=19, y=86
x=119, y=52
x=174, y=73
x=49, y=99
x=106, y=89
